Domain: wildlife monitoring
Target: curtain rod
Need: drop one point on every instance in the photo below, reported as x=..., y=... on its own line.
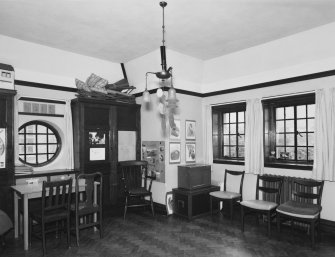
x=233, y=102
x=291, y=94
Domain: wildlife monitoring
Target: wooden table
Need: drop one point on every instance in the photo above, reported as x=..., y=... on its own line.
x=30, y=191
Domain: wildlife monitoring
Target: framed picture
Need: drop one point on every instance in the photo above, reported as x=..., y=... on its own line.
x=174, y=152
x=169, y=203
x=96, y=138
x=97, y=145
x=190, y=129
x=190, y=152
x=175, y=132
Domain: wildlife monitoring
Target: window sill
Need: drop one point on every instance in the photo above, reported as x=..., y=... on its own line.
x=233, y=162
x=293, y=166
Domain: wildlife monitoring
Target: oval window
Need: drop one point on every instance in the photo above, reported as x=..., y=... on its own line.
x=39, y=143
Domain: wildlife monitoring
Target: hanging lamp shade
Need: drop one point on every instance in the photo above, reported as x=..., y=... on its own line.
x=146, y=96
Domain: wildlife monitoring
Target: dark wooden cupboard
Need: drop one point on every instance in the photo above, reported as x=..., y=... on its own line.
x=96, y=123
x=6, y=149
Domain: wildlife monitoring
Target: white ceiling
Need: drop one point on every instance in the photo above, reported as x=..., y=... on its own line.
x=121, y=30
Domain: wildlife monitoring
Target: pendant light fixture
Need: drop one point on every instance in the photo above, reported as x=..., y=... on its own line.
x=165, y=73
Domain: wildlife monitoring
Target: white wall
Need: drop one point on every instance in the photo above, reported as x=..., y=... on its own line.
x=303, y=53
x=42, y=64
x=249, y=186
x=189, y=109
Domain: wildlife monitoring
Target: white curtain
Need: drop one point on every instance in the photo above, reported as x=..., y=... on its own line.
x=324, y=137
x=69, y=135
x=208, y=143
x=254, y=154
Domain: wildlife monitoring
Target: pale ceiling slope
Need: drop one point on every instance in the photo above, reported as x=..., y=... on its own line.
x=121, y=30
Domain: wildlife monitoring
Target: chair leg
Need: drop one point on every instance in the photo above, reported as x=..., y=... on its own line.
x=68, y=230
x=242, y=218
x=278, y=221
x=30, y=230
x=231, y=210
x=77, y=229
x=125, y=208
x=211, y=204
x=43, y=238
x=100, y=223
x=152, y=206
x=312, y=233
x=269, y=224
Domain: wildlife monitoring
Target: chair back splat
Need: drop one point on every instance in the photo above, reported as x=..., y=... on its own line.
x=135, y=181
x=233, y=195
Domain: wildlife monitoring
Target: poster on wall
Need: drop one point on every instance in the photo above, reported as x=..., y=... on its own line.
x=2, y=148
x=154, y=153
x=97, y=144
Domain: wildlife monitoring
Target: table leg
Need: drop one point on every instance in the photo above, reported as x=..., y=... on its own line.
x=16, y=215
x=25, y=222
x=95, y=200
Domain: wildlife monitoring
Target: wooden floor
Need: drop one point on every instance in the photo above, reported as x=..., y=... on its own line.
x=142, y=235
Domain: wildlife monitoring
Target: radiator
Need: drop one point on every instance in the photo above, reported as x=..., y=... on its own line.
x=287, y=193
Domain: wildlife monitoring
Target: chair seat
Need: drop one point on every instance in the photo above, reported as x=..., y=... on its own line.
x=300, y=210
x=50, y=216
x=82, y=207
x=139, y=192
x=259, y=204
x=225, y=194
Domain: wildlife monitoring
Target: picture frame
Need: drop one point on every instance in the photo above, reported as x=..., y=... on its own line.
x=190, y=152
x=174, y=152
x=175, y=132
x=190, y=129
x=169, y=203
x=97, y=145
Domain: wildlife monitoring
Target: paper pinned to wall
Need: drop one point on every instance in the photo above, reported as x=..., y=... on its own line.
x=127, y=145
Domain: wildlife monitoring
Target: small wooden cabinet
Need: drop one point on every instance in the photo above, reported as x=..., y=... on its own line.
x=96, y=123
x=6, y=149
x=193, y=203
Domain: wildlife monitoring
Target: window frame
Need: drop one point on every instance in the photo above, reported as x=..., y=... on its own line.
x=219, y=111
x=269, y=108
x=58, y=143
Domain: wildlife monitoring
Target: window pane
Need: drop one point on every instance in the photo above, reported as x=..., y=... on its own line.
x=22, y=157
x=30, y=139
x=215, y=123
x=41, y=129
x=279, y=150
x=241, y=140
x=21, y=149
x=226, y=129
x=233, y=128
x=232, y=151
x=226, y=140
x=241, y=152
x=310, y=123
x=232, y=117
x=41, y=149
x=289, y=111
x=226, y=151
x=289, y=125
x=311, y=110
x=30, y=149
x=226, y=118
x=310, y=139
x=42, y=158
x=31, y=159
x=302, y=153
x=21, y=139
x=301, y=139
x=41, y=138
x=280, y=113
x=289, y=139
x=52, y=139
x=233, y=140
x=31, y=129
x=279, y=126
x=301, y=111
x=301, y=125
x=290, y=151
x=241, y=128
x=241, y=117
x=310, y=153
x=279, y=139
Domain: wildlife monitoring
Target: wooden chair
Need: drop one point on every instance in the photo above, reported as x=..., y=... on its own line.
x=135, y=181
x=268, y=185
x=87, y=209
x=56, y=199
x=305, y=206
x=229, y=194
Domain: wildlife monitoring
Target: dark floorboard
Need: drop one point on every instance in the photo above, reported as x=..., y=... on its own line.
x=142, y=235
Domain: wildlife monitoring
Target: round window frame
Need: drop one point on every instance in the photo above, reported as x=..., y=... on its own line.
x=58, y=138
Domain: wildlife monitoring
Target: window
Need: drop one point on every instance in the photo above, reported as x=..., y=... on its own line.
x=39, y=143
x=289, y=131
x=228, y=133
